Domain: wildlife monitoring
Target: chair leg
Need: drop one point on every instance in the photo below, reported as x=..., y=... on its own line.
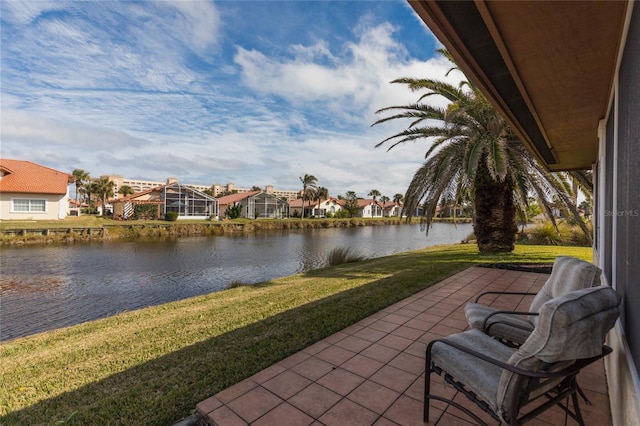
x=582, y=394
x=427, y=386
x=576, y=407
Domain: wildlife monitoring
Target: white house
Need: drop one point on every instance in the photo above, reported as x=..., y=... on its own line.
x=29, y=191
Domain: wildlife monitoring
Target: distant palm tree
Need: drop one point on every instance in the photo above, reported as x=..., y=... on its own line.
x=374, y=193
x=127, y=190
x=384, y=200
x=104, y=189
x=321, y=193
x=474, y=154
x=79, y=178
x=398, y=199
x=308, y=182
x=90, y=188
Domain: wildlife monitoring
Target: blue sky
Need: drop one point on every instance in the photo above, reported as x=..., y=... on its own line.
x=249, y=92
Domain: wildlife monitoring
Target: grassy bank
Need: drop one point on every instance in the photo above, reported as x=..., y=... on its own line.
x=83, y=228
x=154, y=365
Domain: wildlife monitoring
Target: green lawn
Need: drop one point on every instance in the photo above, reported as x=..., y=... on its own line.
x=154, y=365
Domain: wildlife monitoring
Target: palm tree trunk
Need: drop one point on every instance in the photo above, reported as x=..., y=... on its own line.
x=494, y=224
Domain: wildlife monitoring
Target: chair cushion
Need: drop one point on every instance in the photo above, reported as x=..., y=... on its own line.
x=570, y=327
x=478, y=375
x=516, y=329
x=568, y=274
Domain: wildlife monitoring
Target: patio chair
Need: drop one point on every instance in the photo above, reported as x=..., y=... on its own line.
x=513, y=327
x=541, y=373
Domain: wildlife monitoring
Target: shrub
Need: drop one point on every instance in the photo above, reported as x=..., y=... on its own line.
x=145, y=211
x=171, y=216
x=544, y=234
x=236, y=284
x=340, y=255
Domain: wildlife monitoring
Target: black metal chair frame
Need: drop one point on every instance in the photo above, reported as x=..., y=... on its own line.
x=487, y=327
x=566, y=389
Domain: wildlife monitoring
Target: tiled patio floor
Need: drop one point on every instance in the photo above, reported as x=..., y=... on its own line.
x=372, y=373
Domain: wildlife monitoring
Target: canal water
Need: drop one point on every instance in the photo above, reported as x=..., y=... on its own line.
x=52, y=286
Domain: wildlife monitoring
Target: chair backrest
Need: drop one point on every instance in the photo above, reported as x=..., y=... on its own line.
x=568, y=274
x=571, y=327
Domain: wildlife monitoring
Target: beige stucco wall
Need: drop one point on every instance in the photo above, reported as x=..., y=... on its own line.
x=56, y=206
x=622, y=380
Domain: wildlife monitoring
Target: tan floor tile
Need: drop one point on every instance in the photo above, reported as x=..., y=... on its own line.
x=395, y=342
x=373, y=396
x=341, y=381
x=348, y=413
x=208, y=405
x=294, y=359
x=315, y=400
x=385, y=326
x=396, y=319
x=254, y=404
x=232, y=392
x=405, y=412
x=394, y=378
x=316, y=347
x=267, y=373
x=380, y=352
x=409, y=363
x=224, y=416
x=313, y=368
x=407, y=332
x=335, y=355
x=371, y=334
x=284, y=415
x=362, y=365
x=287, y=384
x=353, y=343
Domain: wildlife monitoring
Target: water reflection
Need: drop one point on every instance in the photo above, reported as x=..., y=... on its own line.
x=48, y=287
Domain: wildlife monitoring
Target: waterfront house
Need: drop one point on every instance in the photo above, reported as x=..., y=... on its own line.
x=29, y=191
x=256, y=205
x=566, y=76
x=315, y=208
x=369, y=208
x=188, y=202
x=392, y=210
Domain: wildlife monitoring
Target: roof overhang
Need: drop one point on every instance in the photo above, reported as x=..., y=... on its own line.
x=547, y=66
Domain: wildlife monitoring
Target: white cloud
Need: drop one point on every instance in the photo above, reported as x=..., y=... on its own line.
x=357, y=84
x=23, y=127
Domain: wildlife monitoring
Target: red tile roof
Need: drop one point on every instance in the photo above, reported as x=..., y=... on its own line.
x=25, y=177
x=234, y=198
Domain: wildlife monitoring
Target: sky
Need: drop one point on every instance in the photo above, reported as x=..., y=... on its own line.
x=254, y=93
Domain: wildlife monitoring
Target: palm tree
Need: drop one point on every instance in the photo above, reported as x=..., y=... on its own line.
x=104, y=189
x=127, y=190
x=384, y=200
x=308, y=182
x=374, y=193
x=79, y=178
x=475, y=155
x=398, y=199
x=320, y=193
x=89, y=188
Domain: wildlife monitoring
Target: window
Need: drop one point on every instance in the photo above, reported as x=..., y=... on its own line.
x=29, y=206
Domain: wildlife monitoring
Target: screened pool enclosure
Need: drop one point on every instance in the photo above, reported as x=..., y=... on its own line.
x=188, y=202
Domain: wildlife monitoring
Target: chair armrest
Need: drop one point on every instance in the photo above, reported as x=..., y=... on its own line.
x=512, y=293
x=567, y=371
x=486, y=320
